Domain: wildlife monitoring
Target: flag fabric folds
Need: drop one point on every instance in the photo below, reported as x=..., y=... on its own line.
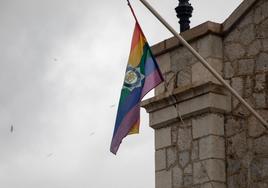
x=142, y=75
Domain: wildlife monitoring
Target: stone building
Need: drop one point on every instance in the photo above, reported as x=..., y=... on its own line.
x=219, y=144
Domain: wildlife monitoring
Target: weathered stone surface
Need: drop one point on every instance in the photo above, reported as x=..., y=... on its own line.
x=237, y=145
x=184, y=77
x=260, y=100
x=254, y=48
x=213, y=185
x=212, y=147
x=164, y=62
x=205, y=101
x=181, y=58
x=184, y=158
x=215, y=169
x=163, y=179
x=160, y=89
x=265, y=45
x=162, y=137
x=247, y=35
x=211, y=124
x=228, y=70
x=187, y=180
x=261, y=145
x=188, y=169
x=210, y=46
x=160, y=159
x=248, y=87
x=238, y=180
x=255, y=127
x=195, y=151
x=177, y=177
x=234, y=166
x=233, y=125
x=171, y=156
x=262, y=29
x=245, y=66
x=163, y=115
x=260, y=82
x=259, y=169
x=234, y=51
x=261, y=13
x=200, y=173
x=184, y=139
x=200, y=73
x=238, y=85
x=262, y=63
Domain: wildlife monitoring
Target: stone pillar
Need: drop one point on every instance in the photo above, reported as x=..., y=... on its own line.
x=190, y=153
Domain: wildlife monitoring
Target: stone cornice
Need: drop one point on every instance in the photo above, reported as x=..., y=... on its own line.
x=205, y=28
x=182, y=94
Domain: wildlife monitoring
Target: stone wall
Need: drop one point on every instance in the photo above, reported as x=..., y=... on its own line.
x=219, y=144
x=246, y=67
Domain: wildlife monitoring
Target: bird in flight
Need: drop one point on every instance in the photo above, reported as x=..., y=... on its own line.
x=11, y=128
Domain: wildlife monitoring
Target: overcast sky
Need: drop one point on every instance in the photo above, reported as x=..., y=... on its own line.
x=62, y=65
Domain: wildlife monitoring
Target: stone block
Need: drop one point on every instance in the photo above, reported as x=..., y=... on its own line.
x=188, y=169
x=162, y=137
x=184, y=158
x=210, y=46
x=213, y=185
x=160, y=89
x=164, y=62
x=187, y=180
x=260, y=100
x=211, y=124
x=163, y=115
x=215, y=169
x=160, y=159
x=237, y=145
x=246, y=66
x=261, y=13
x=163, y=179
x=228, y=70
x=177, y=177
x=180, y=59
x=171, y=156
x=260, y=83
x=184, y=77
x=184, y=139
x=247, y=35
x=195, y=151
x=262, y=62
x=212, y=147
x=200, y=173
x=259, y=169
x=261, y=145
x=210, y=100
x=233, y=125
x=200, y=73
x=234, y=51
x=254, y=48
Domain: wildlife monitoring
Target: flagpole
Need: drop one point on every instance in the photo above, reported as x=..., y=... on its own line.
x=203, y=61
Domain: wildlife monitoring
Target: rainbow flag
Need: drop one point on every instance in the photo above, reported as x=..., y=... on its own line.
x=142, y=75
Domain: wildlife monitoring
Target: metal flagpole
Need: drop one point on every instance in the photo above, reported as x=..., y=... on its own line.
x=204, y=62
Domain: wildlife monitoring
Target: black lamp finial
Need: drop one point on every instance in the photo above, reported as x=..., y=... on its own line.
x=184, y=13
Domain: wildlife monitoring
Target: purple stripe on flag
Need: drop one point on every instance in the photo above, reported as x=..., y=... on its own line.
x=130, y=119
x=151, y=81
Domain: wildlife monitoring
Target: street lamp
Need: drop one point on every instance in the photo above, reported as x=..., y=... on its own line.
x=184, y=13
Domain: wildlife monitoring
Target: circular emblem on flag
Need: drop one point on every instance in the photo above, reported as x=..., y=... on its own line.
x=133, y=78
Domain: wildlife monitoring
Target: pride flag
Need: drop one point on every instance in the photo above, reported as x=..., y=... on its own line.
x=142, y=75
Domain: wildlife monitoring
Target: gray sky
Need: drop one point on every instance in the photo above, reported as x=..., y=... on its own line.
x=62, y=65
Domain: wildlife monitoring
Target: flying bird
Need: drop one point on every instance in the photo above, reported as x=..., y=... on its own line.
x=111, y=106
x=11, y=128
x=91, y=134
x=49, y=155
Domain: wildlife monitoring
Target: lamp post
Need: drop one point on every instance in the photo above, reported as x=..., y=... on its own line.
x=184, y=13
